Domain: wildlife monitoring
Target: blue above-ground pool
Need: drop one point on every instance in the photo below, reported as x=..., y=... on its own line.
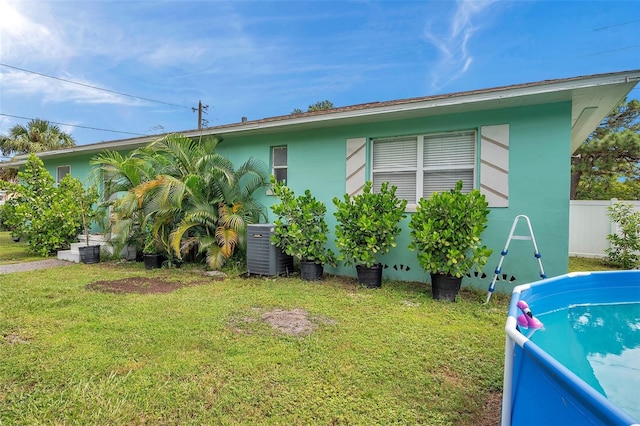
x=572, y=352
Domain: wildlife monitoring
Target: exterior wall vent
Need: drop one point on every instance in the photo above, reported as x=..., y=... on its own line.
x=264, y=258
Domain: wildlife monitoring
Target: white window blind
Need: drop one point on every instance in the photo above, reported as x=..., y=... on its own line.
x=395, y=160
x=448, y=158
x=395, y=153
x=420, y=165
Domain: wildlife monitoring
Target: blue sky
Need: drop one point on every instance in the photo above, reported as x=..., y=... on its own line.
x=261, y=59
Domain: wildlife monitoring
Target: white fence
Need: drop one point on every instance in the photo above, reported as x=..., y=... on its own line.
x=589, y=226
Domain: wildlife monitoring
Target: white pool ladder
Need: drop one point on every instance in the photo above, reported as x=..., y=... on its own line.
x=504, y=252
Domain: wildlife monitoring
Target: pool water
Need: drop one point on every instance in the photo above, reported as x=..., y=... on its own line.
x=600, y=343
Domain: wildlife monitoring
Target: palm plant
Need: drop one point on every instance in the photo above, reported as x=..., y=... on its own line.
x=198, y=196
x=37, y=136
x=117, y=176
x=236, y=209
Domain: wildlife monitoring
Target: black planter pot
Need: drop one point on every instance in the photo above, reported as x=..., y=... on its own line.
x=89, y=254
x=445, y=287
x=311, y=271
x=370, y=277
x=153, y=261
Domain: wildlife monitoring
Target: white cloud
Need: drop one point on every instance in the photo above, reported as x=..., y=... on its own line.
x=452, y=38
x=59, y=39
x=54, y=91
x=30, y=36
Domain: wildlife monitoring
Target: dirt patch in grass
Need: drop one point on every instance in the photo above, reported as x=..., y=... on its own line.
x=14, y=339
x=138, y=285
x=293, y=322
x=490, y=411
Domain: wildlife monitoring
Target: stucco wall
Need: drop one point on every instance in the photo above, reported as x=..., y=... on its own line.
x=539, y=172
x=538, y=182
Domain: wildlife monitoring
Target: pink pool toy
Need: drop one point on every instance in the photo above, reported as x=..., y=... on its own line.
x=527, y=320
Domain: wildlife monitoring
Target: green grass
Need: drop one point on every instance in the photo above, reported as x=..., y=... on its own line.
x=11, y=252
x=577, y=264
x=203, y=355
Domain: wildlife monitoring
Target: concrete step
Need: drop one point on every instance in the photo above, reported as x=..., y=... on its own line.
x=73, y=254
x=69, y=255
x=76, y=246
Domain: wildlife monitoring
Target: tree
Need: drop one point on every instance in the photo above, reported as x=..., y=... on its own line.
x=318, y=106
x=607, y=164
x=187, y=194
x=37, y=136
x=47, y=215
x=625, y=243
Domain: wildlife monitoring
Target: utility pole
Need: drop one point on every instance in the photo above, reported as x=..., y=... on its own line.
x=201, y=108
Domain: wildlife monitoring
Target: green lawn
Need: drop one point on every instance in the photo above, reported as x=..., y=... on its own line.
x=12, y=252
x=577, y=264
x=203, y=354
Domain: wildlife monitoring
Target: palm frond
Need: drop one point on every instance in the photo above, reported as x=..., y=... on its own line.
x=215, y=257
x=227, y=240
x=143, y=188
x=175, y=237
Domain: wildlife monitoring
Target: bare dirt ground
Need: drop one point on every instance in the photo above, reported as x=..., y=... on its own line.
x=490, y=411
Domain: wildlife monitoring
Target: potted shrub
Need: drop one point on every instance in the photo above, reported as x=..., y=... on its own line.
x=301, y=230
x=151, y=251
x=368, y=224
x=445, y=233
x=86, y=199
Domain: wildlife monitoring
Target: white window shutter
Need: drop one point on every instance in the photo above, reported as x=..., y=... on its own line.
x=356, y=165
x=494, y=164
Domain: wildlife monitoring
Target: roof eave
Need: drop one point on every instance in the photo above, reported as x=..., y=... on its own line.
x=586, y=116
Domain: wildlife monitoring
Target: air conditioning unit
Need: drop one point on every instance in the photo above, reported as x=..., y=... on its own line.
x=264, y=258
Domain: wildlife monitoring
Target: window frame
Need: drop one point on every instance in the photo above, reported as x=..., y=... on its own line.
x=58, y=178
x=420, y=168
x=284, y=167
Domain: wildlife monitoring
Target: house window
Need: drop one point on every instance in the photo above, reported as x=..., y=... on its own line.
x=423, y=164
x=279, y=163
x=61, y=172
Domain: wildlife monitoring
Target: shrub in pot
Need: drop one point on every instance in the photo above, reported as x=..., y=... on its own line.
x=445, y=233
x=151, y=250
x=301, y=230
x=368, y=225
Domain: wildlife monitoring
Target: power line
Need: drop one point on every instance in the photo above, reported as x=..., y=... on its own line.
x=75, y=125
x=608, y=51
x=92, y=87
x=616, y=25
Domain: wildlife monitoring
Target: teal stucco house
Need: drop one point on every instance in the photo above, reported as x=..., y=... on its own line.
x=514, y=143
